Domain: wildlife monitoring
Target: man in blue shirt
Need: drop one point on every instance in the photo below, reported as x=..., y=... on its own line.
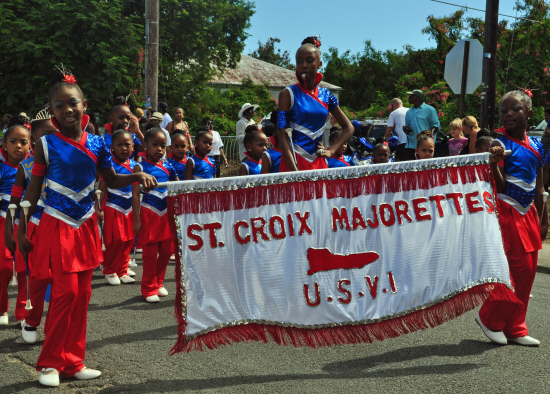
x=419, y=118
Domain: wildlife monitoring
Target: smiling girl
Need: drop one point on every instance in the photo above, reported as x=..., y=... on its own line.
x=304, y=109
x=68, y=242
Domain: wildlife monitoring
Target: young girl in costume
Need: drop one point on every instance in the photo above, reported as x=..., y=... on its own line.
x=40, y=126
x=199, y=166
x=381, y=154
x=120, y=213
x=425, y=147
x=271, y=159
x=155, y=238
x=304, y=108
x=121, y=118
x=255, y=143
x=17, y=143
x=178, y=157
x=518, y=178
x=338, y=159
x=68, y=242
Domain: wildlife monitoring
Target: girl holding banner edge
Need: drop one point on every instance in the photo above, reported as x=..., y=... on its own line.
x=304, y=108
x=522, y=214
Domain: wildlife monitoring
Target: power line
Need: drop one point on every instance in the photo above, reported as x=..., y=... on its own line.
x=477, y=9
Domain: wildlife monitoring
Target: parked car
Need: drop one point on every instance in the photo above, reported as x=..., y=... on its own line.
x=537, y=131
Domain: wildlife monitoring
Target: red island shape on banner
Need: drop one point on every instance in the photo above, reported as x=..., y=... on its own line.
x=324, y=260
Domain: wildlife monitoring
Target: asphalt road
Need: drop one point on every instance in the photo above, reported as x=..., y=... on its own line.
x=129, y=340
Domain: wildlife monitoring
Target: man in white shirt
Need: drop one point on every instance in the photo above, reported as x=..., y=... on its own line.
x=245, y=119
x=166, y=118
x=396, y=122
x=217, y=152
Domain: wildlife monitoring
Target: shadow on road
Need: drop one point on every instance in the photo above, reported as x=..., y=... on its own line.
x=465, y=348
x=158, y=334
x=215, y=383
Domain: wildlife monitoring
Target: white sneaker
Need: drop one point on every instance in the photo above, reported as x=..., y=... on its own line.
x=29, y=333
x=139, y=250
x=130, y=272
x=87, y=374
x=132, y=263
x=163, y=292
x=525, y=341
x=49, y=377
x=173, y=257
x=153, y=298
x=4, y=320
x=127, y=279
x=113, y=279
x=495, y=336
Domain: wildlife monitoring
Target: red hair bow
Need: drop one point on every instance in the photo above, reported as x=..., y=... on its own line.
x=317, y=43
x=529, y=92
x=69, y=78
x=27, y=125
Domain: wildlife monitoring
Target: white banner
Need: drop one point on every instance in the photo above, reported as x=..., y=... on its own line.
x=335, y=248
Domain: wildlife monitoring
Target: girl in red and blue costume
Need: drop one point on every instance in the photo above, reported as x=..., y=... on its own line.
x=155, y=237
x=271, y=159
x=304, y=108
x=68, y=241
x=178, y=156
x=200, y=166
x=121, y=118
x=120, y=213
x=522, y=214
x=17, y=144
x=40, y=126
x=255, y=143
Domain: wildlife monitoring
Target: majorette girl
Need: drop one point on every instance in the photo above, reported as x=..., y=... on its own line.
x=271, y=159
x=120, y=213
x=68, y=241
x=255, y=143
x=522, y=214
x=178, y=157
x=17, y=142
x=154, y=237
x=40, y=126
x=304, y=108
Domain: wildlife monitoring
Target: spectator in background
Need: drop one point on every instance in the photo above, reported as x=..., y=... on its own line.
x=217, y=152
x=546, y=136
x=179, y=125
x=458, y=141
x=139, y=115
x=245, y=119
x=396, y=121
x=418, y=118
x=149, y=113
x=470, y=129
x=166, y=118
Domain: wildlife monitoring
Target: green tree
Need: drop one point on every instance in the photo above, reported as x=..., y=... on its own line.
x=102, y=41
x=267, y=53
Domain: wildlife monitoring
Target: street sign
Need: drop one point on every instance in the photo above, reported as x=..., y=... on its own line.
x=454, y=63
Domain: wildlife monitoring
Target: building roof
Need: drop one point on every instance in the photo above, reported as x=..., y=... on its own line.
x=262, y=72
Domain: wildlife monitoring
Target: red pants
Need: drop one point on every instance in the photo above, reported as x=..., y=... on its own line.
x=38, y=294
x=522, y=241
x=156, y=256
x=6, y=273
x=117, y=257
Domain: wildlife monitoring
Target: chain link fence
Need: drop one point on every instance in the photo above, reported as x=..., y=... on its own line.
x=231, y=151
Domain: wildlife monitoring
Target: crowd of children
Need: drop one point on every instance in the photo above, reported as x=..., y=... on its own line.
x=52, y=163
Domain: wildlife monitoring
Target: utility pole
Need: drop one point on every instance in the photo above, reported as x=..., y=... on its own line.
x=152, y=51
x=488, y=90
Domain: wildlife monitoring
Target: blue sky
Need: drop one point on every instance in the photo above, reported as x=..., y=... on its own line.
x=346, y=24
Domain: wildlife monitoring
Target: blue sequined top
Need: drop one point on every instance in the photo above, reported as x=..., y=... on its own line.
x=336, y=162
x=121, y=199
x=27, y=165
x=520, y=170
x=163, y=171
x=204, y=168
x=307, y=117
x=71, y=174
x=7, y=179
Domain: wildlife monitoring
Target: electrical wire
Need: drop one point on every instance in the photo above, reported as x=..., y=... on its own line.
x=477, y=9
